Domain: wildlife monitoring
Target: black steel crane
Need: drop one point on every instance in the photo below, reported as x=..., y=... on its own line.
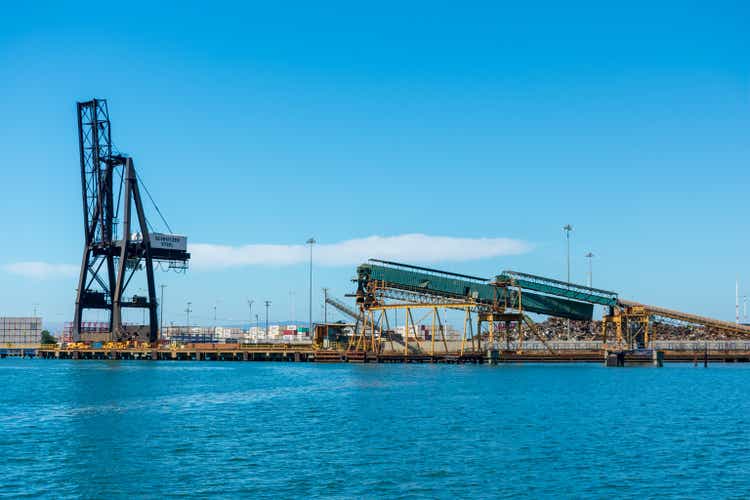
x=110, y=260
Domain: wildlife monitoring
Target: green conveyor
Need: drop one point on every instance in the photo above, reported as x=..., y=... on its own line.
x=455, y=286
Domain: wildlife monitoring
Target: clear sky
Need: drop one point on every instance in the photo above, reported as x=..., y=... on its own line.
x=270, y=122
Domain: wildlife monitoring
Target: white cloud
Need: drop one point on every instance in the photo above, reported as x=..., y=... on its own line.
x=410, y=248
x=41, y=270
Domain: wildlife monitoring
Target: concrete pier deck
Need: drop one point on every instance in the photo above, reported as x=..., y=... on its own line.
x=309, y=354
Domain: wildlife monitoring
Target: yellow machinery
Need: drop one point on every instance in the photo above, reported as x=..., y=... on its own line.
x=505, y=307
x=632, y=324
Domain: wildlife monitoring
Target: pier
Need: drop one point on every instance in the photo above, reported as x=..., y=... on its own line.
x=296, y=353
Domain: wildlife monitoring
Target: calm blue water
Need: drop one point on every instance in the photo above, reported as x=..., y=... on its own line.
x=154, y=429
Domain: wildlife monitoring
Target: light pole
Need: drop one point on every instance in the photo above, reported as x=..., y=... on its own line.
x=250, y=312
x=161, y=311
x=213, y=332
x=325, y=306
x=187, y=317
x=268, y=304
x=737, y=301
x=143, y=311
x=568, y=228
x=310, y=242
x=257, y=326
x=590, y=256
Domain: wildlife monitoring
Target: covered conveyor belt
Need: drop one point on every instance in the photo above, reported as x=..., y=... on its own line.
x=342, y=307
x=429, y=282
x=660, y=312
x=560, y=288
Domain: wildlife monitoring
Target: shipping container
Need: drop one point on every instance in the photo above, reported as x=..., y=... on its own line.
x=20, y=330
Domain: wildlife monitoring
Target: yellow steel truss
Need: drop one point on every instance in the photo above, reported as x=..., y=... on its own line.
x=509, y=309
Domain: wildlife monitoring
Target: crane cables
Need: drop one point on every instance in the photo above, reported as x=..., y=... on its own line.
x=140, y=180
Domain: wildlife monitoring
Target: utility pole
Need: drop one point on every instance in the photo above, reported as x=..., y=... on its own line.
x=161, y=311
x=268, y=304
x=568, y=228
x=325, y=306
x=310, y=242
x=257, y=325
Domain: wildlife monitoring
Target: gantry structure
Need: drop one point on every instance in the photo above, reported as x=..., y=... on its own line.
x=631, y=325
x=112, y=255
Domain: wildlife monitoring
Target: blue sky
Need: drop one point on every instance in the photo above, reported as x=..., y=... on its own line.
x=254, y=123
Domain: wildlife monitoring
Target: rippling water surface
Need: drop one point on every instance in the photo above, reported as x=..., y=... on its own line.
x=197, y=429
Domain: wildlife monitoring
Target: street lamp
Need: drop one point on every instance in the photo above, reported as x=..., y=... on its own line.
x=250, y=312
x=187, y=318
x=310, y=242
x=161, y=311
x=213, y=331
x=268, y=304
x=590, y=256
x=568, y=228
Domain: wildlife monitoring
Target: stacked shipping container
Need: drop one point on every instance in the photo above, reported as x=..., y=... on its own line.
x=232, y=335
x=20, y=330
x=91, y=331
